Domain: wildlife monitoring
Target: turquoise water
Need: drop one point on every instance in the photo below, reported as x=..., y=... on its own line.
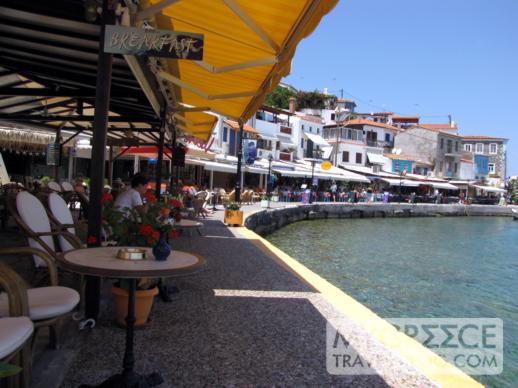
x=420, y=267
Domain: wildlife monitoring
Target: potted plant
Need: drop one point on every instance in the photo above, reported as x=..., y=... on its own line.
x=151, y=229
x=233, y=214
x=265, y=201
x=146, y=291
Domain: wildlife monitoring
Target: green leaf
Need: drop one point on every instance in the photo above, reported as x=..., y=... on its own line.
x=7, y=370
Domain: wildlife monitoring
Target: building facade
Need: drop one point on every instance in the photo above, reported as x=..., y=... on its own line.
x=443, y=150
x=494, y=149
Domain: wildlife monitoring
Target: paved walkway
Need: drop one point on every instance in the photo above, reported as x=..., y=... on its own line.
x=244, y=320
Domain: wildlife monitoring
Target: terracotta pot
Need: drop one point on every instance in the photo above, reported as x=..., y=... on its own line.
x=143, y=303
x=233, y=217
x=164, y=212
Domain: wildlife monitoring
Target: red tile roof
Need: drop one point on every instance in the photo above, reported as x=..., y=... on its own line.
x=436, y=129
x=475, y=137
x=369, y=122
x=313, y=119
x=439, y=126
x=235, y=125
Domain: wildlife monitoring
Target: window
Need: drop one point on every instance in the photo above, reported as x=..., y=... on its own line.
x=358, y=158
x=456, y=166
x=302, y=126
x=449, y=146
x=493, y=148
x=491, y=167
x=442, y=143
x=225, y=132
x=310, y=129
x=456, y=146
x=345, y=156
x=479, y=148
x=440, y=167
x=302, y=143
x=467, y=147
x=332, y=116
x=318, y=131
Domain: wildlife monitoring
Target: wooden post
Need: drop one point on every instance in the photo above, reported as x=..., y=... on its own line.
x=100, y=124
x=110, y=166
x=239, y=157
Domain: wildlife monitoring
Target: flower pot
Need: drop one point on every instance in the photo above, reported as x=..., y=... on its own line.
x=275, y=198
x=233, y=217
x=265, y=203
x=143, y=303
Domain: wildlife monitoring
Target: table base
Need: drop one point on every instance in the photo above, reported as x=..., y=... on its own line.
x=133, y=380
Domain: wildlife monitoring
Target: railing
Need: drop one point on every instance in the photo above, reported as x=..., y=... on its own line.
x=286, y=130
x=375, y=143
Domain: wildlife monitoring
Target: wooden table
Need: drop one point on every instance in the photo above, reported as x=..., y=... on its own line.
x=103, y=262
x=189, y=225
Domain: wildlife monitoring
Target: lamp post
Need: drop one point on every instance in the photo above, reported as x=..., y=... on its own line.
x=313, y=162
x=401, y=175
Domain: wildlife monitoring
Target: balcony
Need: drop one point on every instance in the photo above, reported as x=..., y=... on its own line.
x=379, y=144
x=285, y=129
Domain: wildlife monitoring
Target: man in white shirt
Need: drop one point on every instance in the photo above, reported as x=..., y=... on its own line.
x=132, y=198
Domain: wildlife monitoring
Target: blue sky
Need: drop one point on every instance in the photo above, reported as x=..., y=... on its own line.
x=425, y=57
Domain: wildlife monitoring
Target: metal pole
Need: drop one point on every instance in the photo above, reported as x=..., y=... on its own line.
x=100, y=125
x=311, y=183
x=158, y=176
x=239, y=157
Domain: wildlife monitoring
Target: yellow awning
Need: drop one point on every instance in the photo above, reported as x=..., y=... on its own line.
x=248, y=48
x=198, y=124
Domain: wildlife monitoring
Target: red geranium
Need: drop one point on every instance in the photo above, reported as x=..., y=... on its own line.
x=145, y=230
x=177, y=204
x=173, y=234
x=150, y=197
x=178, y=217
x=91, y=240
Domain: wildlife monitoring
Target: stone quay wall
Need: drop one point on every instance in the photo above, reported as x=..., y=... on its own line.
x=266, y=221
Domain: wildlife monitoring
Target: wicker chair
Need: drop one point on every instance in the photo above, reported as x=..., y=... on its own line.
x=33, y=220
x=47, y=306
x=17, y=329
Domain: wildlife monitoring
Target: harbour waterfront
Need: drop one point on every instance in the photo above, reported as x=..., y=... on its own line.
x=419, y=267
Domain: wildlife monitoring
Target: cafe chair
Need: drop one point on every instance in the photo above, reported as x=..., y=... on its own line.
x=46, y=306
x=16, y=330
x=62, y=217
x=54, y=186
x=31, y=217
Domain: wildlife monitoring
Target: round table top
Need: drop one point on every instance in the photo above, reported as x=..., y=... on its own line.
x=103, y=262
x=183, y=223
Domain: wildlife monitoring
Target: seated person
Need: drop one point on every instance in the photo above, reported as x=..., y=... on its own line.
x=132, y=198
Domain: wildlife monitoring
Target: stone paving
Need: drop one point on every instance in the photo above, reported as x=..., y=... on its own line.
x=243, y=321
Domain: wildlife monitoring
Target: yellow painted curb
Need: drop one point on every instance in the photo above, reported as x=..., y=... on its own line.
x=412, y=352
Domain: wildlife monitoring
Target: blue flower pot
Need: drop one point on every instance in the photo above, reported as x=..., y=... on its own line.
x=162, y=249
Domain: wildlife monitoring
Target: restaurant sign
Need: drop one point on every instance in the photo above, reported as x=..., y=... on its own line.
x=153, y=43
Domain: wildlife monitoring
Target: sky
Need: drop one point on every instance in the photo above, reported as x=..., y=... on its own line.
x=431, y=58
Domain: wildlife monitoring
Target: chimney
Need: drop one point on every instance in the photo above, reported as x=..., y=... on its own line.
x=292, y=104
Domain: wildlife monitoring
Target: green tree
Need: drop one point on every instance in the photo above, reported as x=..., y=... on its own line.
x=315, y=100
x=279, y=97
